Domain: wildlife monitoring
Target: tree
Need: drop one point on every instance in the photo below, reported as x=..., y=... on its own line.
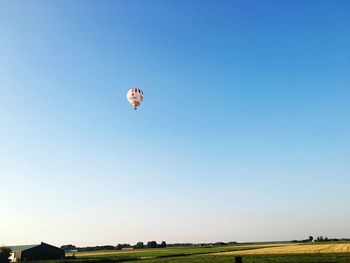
x=320, y=239
x=163, y=244
x=311, y=238
x=68, y=247
x=119, y=246
x=152, y=244
x=5, y=253
x=139, y=245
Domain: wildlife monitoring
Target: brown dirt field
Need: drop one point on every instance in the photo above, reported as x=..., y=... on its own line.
x=291, y=249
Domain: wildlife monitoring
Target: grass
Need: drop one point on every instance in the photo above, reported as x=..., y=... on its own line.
x=142, y=254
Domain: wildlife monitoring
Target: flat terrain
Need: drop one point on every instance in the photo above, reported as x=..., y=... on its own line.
x=274, y=253
x=142, y=254
x=291, y=249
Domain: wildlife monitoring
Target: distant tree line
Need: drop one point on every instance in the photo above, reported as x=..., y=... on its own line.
x=74, y=248
x=320, y=239
x=304, y=240
x=139, y=245
x=202, y=244
x=326, y=239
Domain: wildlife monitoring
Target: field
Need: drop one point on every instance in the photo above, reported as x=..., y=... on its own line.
x=295, y=249
x=146, y=254
x=277, y=253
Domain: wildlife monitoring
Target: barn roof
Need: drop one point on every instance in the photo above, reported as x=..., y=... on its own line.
x=23, y=247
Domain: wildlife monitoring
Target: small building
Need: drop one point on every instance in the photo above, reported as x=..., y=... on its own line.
x=127, y=248
x=41, y=251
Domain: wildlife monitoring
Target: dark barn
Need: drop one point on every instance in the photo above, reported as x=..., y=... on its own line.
x=37, y=252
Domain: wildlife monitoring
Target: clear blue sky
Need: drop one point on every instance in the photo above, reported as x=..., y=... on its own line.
x=243, y=134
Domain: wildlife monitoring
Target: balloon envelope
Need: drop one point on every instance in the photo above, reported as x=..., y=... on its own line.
x=135, y=97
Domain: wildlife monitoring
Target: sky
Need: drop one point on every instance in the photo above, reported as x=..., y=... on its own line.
x=243, y=134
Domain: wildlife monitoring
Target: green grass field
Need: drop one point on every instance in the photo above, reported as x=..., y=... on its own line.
x=159, y=254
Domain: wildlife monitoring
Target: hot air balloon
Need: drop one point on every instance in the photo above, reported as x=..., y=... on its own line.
x=135, y=97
